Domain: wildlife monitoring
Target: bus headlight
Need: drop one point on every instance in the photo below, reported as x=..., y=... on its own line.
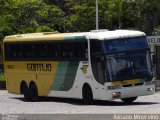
x=150, y=89
x=116, y=95
x=114, y=87
x=150, y=83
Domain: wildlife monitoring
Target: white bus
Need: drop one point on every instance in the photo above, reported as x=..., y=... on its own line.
x=96, y=65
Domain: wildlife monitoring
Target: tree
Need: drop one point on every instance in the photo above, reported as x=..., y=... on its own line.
x=5, y=7
x=51, y=16
x=25, y=12
x=43, y=28
x=6, y=26
x=111, y=13
x=82, y=17
x=77, y=15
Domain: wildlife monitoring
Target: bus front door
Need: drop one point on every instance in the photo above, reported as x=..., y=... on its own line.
x=101, y=79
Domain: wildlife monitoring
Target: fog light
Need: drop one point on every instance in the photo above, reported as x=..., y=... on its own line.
x=116, y=95
x=150, y=89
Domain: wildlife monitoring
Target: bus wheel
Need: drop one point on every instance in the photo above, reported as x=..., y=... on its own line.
x=87, y=95
x=129, y=100
x=33, y=92
x=25, y=91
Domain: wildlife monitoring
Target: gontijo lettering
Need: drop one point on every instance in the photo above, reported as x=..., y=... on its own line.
x=39, y=67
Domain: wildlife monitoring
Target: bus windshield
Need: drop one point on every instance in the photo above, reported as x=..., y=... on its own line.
x=123, y=59
x=124, y=44
x=128, y=66
x=127, y=58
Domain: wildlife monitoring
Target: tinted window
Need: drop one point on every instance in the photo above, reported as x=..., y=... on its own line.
x=56, y=50
x=124, y=44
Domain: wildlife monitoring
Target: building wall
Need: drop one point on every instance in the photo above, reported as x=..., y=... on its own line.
x=154, y=43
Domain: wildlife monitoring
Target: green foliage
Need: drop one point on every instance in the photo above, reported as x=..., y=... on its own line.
x=27, y=16
x=6, y=26
x=5, y=7
x=82, y=17
x=2, y=77
x=51, y=16
x=156, y=31
x=34, y=13
x=1, y=37
x=43, y=28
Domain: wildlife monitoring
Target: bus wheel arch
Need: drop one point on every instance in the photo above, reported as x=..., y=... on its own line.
x=24, y=89
x=33, y=91
x=87, y=94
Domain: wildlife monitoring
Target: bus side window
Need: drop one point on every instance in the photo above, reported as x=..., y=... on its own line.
x=81, y=50
x=64, y=50
x=12, y=51
x=16, y=51
x=71, y=51
x=42, y=51
x=67, y=51
x=59, y=51
x=27, y=53
x=51, y=50
x=31, y=51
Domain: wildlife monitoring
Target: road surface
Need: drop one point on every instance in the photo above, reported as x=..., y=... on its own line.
x=15, y=104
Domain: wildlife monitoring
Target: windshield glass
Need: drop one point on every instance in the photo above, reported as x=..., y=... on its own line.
x=121, y=59
x=128, y=66
x=124, y=44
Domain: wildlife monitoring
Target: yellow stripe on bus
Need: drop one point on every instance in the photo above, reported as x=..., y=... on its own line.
x=124, y=82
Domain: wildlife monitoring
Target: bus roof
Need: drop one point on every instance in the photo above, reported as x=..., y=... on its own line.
x=40, y=36
x=108, y=35
x=97, y=34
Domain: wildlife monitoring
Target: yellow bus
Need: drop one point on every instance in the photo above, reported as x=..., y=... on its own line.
x=96, y=65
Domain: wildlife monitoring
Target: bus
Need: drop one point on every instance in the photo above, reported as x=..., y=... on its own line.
x=95, y=65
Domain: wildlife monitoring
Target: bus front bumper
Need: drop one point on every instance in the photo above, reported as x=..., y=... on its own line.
x=128, y=92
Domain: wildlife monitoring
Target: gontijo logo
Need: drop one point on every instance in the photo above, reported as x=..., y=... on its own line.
x=84, y=68
x=39, y=67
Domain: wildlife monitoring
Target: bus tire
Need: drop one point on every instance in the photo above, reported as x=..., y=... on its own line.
x=129, y=100
x=33, y=92
x=87, y=94
x=25, y=91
